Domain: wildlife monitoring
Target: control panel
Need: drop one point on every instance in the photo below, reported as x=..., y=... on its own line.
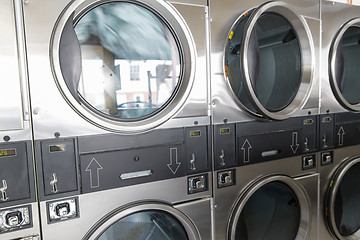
x=113, y=161
x=224, y=147
x=265, y=141
x=16, y=173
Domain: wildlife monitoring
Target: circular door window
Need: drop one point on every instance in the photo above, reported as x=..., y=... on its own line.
x=149, y=221
x=125, y=63
x=267, y=207
x=267, y=59
x=343, y=201
x=344, y=64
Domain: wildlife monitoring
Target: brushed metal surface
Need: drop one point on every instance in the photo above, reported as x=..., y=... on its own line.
x=11, y=108
x=172, y=193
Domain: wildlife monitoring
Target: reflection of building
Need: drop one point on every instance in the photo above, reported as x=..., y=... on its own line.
x=109, y=83
x=134, y=81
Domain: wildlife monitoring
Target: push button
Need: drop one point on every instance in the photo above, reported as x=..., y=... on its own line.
x=309, y=162
x=14, y=219
x=326, y=158
x=197, y=184
x=63, y=210
x=226, y=178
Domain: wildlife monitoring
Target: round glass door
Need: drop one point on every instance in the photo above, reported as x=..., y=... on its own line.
x=123, y=64
x=267, y=207
x=267, y=59
x=344, y=64
x=148, y=221
x=151, y=225
x=343, y=201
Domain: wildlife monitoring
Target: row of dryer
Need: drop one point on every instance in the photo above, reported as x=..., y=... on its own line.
x=184, y=119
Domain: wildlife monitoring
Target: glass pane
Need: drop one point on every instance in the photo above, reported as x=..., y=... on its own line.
x=349, y=83
x=266, y=213
x=130, y=60
x=147, y=225
x=347, y=202
x=274, y=62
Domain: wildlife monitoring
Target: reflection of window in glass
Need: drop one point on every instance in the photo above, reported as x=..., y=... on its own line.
x=116, y=72
x=134, y=72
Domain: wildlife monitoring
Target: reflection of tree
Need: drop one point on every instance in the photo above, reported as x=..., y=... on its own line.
x=127, y=30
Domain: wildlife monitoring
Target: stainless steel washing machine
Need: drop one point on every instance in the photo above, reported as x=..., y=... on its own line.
x=264, y=64
x=339, y=120
x=339, y=71
x=19, y=218
x=270, y=192
x=120, y=117
x=338, y=168
x=264, y=59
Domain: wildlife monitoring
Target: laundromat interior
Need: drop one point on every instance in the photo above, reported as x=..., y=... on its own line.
x=180, y=120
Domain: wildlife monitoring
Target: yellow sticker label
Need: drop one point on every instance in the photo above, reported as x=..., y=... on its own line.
x=231, y=35
x=331, y=183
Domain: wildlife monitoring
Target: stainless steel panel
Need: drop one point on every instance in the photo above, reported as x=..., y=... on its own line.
x=11, y=108
x=94, y=206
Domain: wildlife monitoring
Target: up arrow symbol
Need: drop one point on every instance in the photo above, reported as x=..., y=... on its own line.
x=93, y=168
x=341, y=134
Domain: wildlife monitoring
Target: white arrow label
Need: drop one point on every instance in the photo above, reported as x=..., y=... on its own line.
x=341, y=134
x=294, y=146
x=246, y=149
x=93, y=168
x=174, y=164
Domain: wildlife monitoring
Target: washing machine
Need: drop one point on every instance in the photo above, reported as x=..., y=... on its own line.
x=339, y=119
x=19, y=218
x=338, y=166
x=340, y=33
x=271, y=193
x=120, y=118
x=265, y=99
x=264, y=64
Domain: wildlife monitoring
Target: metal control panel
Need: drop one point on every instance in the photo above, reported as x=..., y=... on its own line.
x=266, y=141
x=338, y=130
x=113, y=161
x=254, y=142
x=57, y=167
x=16, y=173
x=224, y=147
